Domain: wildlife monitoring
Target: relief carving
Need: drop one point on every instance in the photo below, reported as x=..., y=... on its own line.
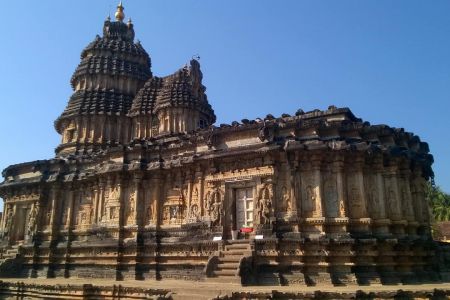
x=214, y=207
x=264, y=206
x=31, y=225
x=286, y=199
x=111, y=210
x=194, y=210
x=131, y=208
x=9, y=220
x=174, y=206
x=313, y=202
x=85, y=214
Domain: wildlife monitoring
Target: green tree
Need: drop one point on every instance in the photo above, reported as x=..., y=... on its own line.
x=440, y=203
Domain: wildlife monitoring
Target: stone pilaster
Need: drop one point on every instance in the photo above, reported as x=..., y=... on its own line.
x=381, y=223
x=96, y=203
x=392, y=198
x=294, y=190
x=313, y=221
x=317, y=186
x=338, y=225
x=138, y=205
x=357, y=206
x=406, y=199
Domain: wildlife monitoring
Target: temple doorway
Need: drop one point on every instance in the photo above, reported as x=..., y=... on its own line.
x=18, y=233
x=244, y=208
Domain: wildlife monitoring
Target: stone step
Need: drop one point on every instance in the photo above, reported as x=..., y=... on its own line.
x=230, y=258
x=228, y=265
x=237, y=252
x=225, y=279
x=226, y=272
x=234, y=242
x=238, y=246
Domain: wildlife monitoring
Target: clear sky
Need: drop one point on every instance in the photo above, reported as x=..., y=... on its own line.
x=389, y=61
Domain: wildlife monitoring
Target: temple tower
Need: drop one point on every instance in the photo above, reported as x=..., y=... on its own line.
x=173, y=104
x=112, y=70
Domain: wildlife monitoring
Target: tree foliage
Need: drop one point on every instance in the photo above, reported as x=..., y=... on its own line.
x=440, y=203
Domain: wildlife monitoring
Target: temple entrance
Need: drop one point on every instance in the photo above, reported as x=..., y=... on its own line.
x=244, y=208
x=18, y=233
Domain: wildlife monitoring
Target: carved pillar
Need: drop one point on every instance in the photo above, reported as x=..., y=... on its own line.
x=119, y=129
x=71, y=207
x=55, y=192
x=5, y=216
x=376, y=197
x=293, y=166
x=338, y=169
x=156, y=185
x=189, y=194
x=101, y=130
x=391, y=185
x=356, y=198
x=201, y=179
x=421, y=205
x=96, y=203
x=378, y=169
x=138, y=205
x=355, y=191
x=119, y=184
x=317, y=186
x=307, y=189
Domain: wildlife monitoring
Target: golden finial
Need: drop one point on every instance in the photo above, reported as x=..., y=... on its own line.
x=119, y=13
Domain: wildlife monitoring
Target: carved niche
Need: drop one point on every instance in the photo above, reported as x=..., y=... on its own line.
x=174, y=206
x=214, y=205
x=264, y=205
x=85, y=213
x=111, y=212
x=194, y=209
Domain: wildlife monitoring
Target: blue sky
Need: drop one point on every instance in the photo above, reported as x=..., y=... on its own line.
x=389, y=61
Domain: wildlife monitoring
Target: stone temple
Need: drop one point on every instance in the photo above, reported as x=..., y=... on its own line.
x=144, y=186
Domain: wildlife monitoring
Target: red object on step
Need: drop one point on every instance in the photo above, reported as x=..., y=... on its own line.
x=247, y=229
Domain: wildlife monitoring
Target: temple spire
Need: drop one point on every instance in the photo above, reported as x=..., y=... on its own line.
x=119, y=13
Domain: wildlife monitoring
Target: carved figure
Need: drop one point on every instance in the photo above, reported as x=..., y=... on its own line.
x=265, y=206
x=194, y=212
x=286, y=199
x=213, y=199
x=32, y=220
x=166, y=214
x=216, y=212
x=150, y=216
x=312, y=199
x=131, y=208
x=9, y=219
